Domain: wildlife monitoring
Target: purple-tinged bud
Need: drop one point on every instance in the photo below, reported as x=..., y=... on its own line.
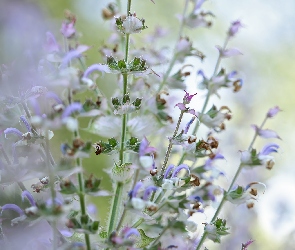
x=98, y=67
x=68, y=29
x=148, y=191
x=13, y=131
x=245, y=245
x=74, y=107
x=131, y=231
x=134, y=192
x=187, y=97
x=51, y=44
x=180, y=167
x=12, y=207
x=168, y=170
x=188, y=125
x=52, y=95
x=234, y=28
x=25, y=121
x=29, y=196
x=273, y=111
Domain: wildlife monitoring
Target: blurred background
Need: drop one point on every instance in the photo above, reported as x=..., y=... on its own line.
x=267, y=67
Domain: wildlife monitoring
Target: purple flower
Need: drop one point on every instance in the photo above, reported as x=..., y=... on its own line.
x=13, y=131
x=187, y=97
x=68, y=29
x=27, y=124
x=129, y=231
x=144, y=147
x=29, y=196
x=135, y=190
x=234, y=28
x=180, y=167
x=98, y=67
x=52, y=95
x=268, y=149
x=13, y=207
x=75, y=53
x=188, y=125
x=168, y=170
x=74, y=107
x=51, y=44
x=245, y=245
x=228, y=52
x=148, y=191
x=273, y=111
x=265, y=133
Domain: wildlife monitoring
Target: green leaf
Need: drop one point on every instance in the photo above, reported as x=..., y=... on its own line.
x=144, y=240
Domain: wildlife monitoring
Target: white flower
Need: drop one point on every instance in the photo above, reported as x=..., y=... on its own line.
x=167, y=184
x=138, y=203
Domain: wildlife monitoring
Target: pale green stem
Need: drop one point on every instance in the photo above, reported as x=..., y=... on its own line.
x=117, y=198
x=229, y=189
x=168, y=152
x=173, y=60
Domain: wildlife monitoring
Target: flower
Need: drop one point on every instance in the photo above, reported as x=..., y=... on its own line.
x=234, y=28
x=273, y=111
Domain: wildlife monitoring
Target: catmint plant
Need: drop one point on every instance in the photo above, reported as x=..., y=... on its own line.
x=163, y=170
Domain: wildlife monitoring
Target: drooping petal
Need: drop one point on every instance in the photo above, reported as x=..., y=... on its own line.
x=13, y=131
x=188, y=125
x=131, y=231
x=26, y=123
x=13, y=207
x=73, y=54
x=269, y=148
x=135, y=190
x=168, y=170
x=29, y=196
x=74, y=107
x=96, y=67
x=148, y=191
x=180, y=167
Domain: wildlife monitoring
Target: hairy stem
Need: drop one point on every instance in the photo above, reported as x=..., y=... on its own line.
x=117, y=199
x=168, y=152
x=204, y=236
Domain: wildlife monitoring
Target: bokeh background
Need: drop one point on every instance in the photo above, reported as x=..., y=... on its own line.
x=267, y=67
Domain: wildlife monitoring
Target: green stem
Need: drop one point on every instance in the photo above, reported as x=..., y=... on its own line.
x=80, y=178
x=230, y=187
x=115, y=207
x=117, y=199
x=168, y=152
x=173, y=60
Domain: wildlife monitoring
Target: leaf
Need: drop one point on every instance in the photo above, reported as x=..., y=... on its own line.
x=144, y=240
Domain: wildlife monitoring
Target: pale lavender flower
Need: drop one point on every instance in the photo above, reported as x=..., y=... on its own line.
x=73, y=54
x=273, y=111
x=12, y=207
x=144, y=147
x=14, y=131
x=26, y=123
x=72, y=108
x=228, y=52
x=51, y=45
x=234, y=28
x=265, y=133
x=29, y=196
x=68, y=29
x=179, y=168
x=148, y=191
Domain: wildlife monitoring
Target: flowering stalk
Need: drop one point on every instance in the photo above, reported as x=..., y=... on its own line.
x=117, y=200
x=168, y=152
x=230, y=187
